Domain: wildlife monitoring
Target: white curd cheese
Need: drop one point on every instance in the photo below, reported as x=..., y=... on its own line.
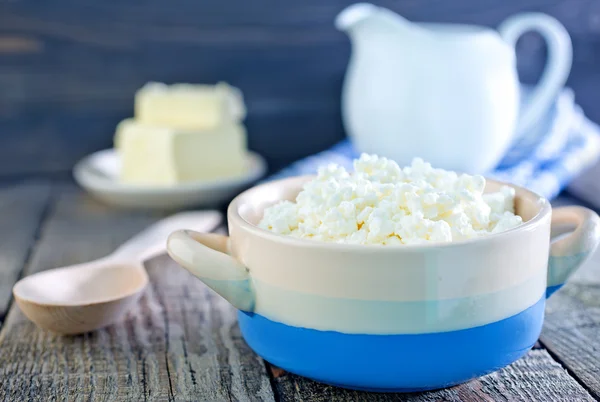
x=381, y=203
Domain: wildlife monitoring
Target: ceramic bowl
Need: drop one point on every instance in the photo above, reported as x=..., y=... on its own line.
x=388, y=318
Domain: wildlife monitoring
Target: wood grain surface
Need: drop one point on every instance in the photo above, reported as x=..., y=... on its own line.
x=21, y=211
x=182, y=342
x=572, y=332
x=535, y=377
x=68, y=68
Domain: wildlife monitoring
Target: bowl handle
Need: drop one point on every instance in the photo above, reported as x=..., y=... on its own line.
x=206, y=256
x=570, y=252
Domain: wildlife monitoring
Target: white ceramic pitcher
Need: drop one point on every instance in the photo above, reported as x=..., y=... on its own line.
x=448, y=93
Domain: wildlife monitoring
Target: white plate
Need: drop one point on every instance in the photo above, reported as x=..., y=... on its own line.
x=98, y=174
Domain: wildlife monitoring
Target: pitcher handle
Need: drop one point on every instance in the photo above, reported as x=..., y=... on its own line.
x=206, y=256
x=556, y=72
x=569, y=253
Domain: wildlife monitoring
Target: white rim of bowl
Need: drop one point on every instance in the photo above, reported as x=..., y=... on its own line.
x=234, y=216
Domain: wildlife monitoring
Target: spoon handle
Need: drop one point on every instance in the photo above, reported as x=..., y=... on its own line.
x=153, y=240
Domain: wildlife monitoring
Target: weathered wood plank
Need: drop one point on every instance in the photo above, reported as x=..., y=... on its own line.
x=535, y=377
x=572, y=332
x=22, y=207
x=180, y=343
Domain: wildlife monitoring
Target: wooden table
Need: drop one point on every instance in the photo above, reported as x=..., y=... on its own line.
x=182, y=341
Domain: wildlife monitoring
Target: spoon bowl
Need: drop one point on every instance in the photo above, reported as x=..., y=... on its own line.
x=84, y=297
x=80, y=298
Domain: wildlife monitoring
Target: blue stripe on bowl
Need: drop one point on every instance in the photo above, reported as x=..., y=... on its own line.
x=403, y=362
x=551, y=289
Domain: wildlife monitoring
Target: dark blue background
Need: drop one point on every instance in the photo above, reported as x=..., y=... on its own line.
x=69, y=68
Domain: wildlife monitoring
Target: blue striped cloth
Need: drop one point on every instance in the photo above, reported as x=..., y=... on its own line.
x=545, y=160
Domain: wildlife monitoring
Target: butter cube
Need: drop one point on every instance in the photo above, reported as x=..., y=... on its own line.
x=158, y=155
x=189, y=106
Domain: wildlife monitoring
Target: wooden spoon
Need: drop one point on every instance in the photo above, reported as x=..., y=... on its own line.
x=84, y=297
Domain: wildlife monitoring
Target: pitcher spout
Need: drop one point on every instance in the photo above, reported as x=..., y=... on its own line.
x=372, y=19
x=354, y=14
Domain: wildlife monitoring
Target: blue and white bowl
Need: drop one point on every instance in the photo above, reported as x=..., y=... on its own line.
x=388, y=318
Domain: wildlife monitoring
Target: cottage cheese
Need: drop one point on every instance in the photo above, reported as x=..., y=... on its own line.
x=381, y=203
